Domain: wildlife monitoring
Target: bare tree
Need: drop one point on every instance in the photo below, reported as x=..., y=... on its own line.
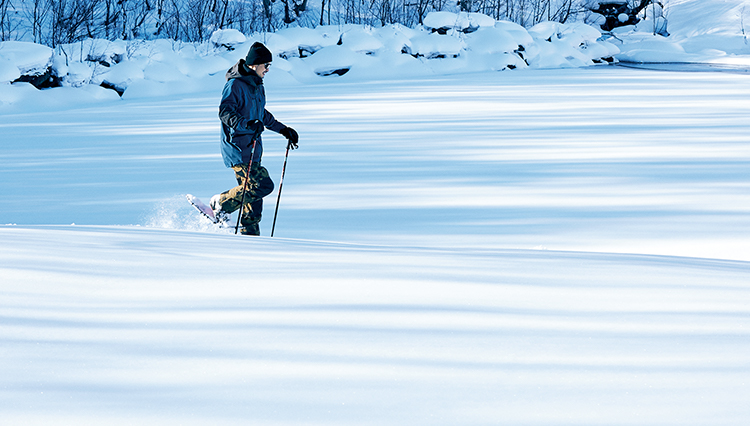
x=37, y=13
x=71, y=20
x=6, y=25
x=132, y=17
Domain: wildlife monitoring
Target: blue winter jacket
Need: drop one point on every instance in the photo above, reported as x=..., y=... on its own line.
x=242, y=102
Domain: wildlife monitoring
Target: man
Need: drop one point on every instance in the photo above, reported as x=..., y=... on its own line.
x=243, y=117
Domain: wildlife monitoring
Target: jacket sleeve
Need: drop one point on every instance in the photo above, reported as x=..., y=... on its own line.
x=271, y=123
x=228, y=109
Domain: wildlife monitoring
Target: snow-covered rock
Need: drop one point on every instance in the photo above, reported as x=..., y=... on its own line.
x=443, y=21
x=333, y=60
x=446, y=20
x=568, y=45
x=545, y=30
x=100, y=51
x=360, y=40
x=281, y=46
x=491, y=40
x=79, y=73
x=598, y=50
x=434, y=45
x=29, y=58
x=395, y=37
x=121, y=75
x=479, y=20
x=573, y=34
x=8, y=70
x=227, y=39
x=306, y=40
x=519, y=33
x=577, y=33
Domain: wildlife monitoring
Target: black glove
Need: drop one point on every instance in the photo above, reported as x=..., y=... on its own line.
x=290, y=135
x=256, y=127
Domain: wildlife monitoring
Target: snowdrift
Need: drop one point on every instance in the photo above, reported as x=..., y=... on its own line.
x=107, y=325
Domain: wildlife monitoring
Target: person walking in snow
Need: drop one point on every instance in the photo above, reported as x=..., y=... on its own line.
x=243, y=116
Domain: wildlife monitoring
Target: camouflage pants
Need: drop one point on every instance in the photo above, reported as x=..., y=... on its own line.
x=259, y=186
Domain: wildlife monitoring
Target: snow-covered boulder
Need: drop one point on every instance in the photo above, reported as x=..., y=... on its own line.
x=476, y=61
x=333, y=60
x=569, y=45
x=519, y=33
x=79, y=73
x=480, y=20
x=8, y=70
x=360, y=40
x=573, y=34
x=491, y=40
x=599, y=51
x=443, y=21
x=577, y=33
x=281, y=46
x=31, y=59
x=103, y=52
x=227, y=39
x=434, y=45
x=119, y=76
x=306, y=40
x=558, y=55
x=395, y=38
x=546, y=30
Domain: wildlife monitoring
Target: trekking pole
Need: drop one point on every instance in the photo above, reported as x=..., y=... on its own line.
x=281, y=185
x=244, y=188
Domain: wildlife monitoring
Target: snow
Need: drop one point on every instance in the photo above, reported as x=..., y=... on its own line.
x=8, y=69
x=135, y=325
x=29, y=58
x=445, y=19
x=229, y=38
x=360, y=40
x=433, y=45
x=454, y=244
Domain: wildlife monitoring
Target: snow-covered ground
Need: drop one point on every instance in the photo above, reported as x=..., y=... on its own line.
x=121, y=325
x=433, y=301
x=600, y=159
x=537, y=246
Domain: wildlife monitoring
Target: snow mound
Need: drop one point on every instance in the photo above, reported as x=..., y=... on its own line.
x=227, y=38
x=362, y=41
x=491, y=40
x=29, y=58
x=333, y=60
x=434, y=45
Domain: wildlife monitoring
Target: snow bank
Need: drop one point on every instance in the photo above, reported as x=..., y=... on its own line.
x=447, y=43
x=470, y=42
x=696, y=31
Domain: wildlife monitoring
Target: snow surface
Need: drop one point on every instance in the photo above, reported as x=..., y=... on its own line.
x=464, y=246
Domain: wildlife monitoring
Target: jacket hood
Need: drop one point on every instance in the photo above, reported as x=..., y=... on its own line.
x=240, y=71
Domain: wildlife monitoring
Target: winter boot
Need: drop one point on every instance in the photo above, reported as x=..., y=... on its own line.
x=222, y=217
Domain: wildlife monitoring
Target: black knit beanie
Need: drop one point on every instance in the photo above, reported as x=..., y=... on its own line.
x=258, y=54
